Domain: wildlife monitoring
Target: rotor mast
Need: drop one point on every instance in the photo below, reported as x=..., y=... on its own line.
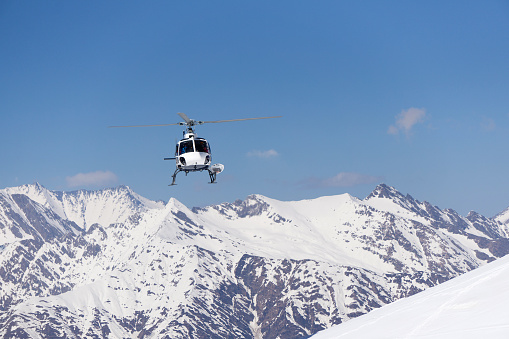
x=189, y=123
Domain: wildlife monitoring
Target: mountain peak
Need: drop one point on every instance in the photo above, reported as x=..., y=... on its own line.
x=123, y=188
x=503, y=216
x=38, y=186
x=35, y=191
x=384, y=191
x=383, y=196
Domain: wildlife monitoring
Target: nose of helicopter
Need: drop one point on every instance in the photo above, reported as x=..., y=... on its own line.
x=194, y=161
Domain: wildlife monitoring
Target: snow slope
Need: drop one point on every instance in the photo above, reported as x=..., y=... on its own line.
x=503, y=216
x=470, y=306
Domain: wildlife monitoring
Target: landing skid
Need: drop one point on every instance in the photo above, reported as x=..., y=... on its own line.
x=212, y=176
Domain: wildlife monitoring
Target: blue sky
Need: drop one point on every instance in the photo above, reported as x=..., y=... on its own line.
x=412, y=94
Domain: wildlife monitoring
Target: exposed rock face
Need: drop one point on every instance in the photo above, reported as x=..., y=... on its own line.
x=112, y=264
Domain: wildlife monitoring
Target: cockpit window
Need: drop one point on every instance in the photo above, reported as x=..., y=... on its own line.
x=202, y=146
x=186, y=146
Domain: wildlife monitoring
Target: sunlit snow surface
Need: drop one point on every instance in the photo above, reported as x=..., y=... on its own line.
x=503, y=217
x=474, y=305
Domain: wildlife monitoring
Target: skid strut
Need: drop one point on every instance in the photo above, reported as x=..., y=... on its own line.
x=174, y=176
x=212, y=177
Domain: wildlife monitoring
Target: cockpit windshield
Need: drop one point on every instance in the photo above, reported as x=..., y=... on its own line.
x=202, y=146
x=186, y=146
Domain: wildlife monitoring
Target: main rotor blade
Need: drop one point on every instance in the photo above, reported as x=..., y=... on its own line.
x=185, y=117
x=190, y=122
x=213, y=122
x=148, y=125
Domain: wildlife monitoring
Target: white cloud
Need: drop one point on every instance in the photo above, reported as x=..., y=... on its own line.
x=92, y=179
x=406, y=120
x=263, y=154
x=343, y=179
x=392, y=130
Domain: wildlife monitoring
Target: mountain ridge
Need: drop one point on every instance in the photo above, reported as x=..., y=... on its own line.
x=120, y=265
x=73, y=205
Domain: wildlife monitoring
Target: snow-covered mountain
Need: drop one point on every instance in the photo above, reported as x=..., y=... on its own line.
x=111, y=263
x=503, y=216
x=86, y=208
x=471, y=306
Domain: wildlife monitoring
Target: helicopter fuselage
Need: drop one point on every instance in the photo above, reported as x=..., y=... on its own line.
x=193, y=154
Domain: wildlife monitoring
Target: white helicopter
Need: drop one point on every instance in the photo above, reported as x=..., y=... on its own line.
x=192, y=154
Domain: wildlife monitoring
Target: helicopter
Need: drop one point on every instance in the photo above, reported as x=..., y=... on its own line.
x=192, y=154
